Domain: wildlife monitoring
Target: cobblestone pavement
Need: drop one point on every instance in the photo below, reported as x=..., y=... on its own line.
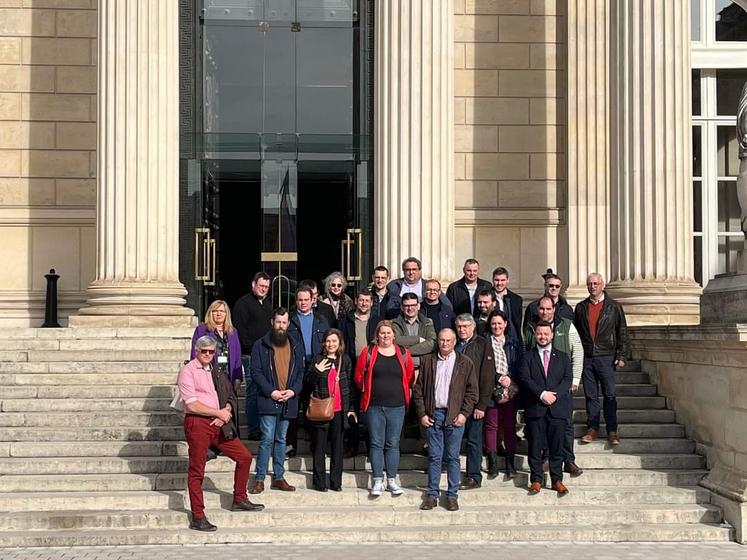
x=513, y=551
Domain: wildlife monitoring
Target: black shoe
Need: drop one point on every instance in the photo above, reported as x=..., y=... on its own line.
x=319, y=488
x=202, y=524
x=492, y=465
x=290, y=452
x=212, y=453
x=469, y=483
x=510, y=468
x=246, y=505
x=255, y=436
x=336, y=488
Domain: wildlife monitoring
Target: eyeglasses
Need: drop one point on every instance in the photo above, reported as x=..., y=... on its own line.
x=336, y=285
x=409, y=305
x=207, y=351
x=553, y=286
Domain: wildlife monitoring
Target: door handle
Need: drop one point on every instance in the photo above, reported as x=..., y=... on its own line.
x=212, y=263
x=202, y=254
x=354, y=238
x=345, y=257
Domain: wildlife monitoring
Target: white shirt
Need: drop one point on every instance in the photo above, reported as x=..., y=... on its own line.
x=444, y=369
x=416, y=288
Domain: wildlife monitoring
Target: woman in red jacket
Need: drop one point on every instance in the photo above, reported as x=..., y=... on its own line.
x=385, y=374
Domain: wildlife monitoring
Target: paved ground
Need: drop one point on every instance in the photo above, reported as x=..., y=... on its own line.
x=513, y=551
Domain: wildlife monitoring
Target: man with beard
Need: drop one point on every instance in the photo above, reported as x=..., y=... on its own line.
x=277, y=369
x=484, y=305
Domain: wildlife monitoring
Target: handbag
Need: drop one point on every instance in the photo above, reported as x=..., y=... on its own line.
x=502, y=394
x=321, y=410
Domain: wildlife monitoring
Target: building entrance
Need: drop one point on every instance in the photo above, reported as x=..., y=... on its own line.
x=277, y=167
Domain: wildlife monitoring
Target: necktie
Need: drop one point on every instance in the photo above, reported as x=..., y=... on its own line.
x=546, y=360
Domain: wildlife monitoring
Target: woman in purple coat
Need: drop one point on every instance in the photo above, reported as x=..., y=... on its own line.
x=227, y=356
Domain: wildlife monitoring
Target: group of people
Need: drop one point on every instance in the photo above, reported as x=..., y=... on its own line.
x=468, y=359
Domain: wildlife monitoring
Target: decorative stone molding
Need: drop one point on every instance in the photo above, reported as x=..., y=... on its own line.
x=651, y=246
x=703, y=373
x=414, y=135
x=137, y=261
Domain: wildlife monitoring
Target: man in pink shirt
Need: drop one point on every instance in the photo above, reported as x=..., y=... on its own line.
x=207, y=423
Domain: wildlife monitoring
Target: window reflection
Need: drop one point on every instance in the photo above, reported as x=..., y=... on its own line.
x=696, y=93
x=729, y=83
x=731, y=21
x=697, y=206
x=697, y=151
x=729, y=214
x=698, y=259
x=728, y=251
x=695, y=20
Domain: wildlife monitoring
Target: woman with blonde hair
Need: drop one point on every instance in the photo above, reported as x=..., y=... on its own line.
x=227, y=358
x=334, y=295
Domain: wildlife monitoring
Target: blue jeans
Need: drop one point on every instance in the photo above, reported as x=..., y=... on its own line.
x=473, y=434
x=273, y=428
x=384, y=430
x=444, y=440
x=252, y=418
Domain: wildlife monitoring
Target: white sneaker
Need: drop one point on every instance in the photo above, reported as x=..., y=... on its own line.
x=378, y=487
x=393, y=487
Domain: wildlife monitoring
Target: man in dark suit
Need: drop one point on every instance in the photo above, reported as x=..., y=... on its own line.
x=463, y=293
x=507, y=301
x=545, y=378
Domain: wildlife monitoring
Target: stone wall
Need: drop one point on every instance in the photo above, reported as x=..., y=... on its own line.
x=510, y=117
x=47, y=153
x=703, y=373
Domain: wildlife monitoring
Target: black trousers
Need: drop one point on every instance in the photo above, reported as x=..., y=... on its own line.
x=600, y=371
x=320, y=433
x=552, y=431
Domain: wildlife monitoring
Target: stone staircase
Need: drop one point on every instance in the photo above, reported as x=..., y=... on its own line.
x=90, y=454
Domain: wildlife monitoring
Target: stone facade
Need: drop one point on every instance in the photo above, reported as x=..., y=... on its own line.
x=703, y=373
x=510, y=130
x=47, y=153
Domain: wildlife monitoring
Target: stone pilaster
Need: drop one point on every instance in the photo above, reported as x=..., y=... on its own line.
x=414, y=200
x=137, y=260
x=588, y=142
x=651, y=248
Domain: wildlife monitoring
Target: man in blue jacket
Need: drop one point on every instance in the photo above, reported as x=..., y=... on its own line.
x=277, y=369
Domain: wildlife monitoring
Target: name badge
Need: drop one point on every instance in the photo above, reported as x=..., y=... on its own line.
x=222, y=359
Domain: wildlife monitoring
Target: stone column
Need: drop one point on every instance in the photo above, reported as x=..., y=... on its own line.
x=414, y=137
x=588, y=143
x=651, y=245
x=137, y=257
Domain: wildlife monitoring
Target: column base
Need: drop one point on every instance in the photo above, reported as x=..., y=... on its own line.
x=658, y=303
x=724, y=299
x=135, y=304
x=730, y=494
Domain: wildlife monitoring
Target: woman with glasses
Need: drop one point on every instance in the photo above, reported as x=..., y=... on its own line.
x=334, y=295
x=329, y=376
x=217, y=324
x=384, y=374
x=500, y=415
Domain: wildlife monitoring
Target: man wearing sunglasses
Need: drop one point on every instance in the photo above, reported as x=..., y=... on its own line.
x=211, y=407
x=553, y=286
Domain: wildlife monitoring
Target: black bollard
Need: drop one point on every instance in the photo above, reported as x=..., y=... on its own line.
x=50, y=309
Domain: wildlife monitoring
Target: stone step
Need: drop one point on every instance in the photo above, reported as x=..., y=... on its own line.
x=165, y=391
x=630, y=390
x=103, y=355
x=115, y=405
x=350, y=479
x=91, y=380
x=176, y=433
x=114, y=418
x=361, y=513
x=158, y=448
x=96, y=368
x=100, y=465
x=107, y=333
x=446, y=532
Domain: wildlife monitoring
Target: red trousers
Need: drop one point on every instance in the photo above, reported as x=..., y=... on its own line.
x=497, y=418
x=201, y=435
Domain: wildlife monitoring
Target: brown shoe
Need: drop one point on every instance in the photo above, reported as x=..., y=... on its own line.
x=573, y=469
x=282, y=485
x=258, y=488
x=535, y=488
x=613, y=438
x=560, y=488
x=469, y=483
x=452, y=504
x=429, y=502
x=591, y=435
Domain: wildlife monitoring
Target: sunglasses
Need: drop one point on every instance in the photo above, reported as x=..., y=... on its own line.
x=206, y=351
x=336, y=285
x=554, y=286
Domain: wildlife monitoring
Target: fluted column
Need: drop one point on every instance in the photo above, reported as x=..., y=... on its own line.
x=588, y=142
x=414, y=200
x=137, y=257
x=651, y=246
